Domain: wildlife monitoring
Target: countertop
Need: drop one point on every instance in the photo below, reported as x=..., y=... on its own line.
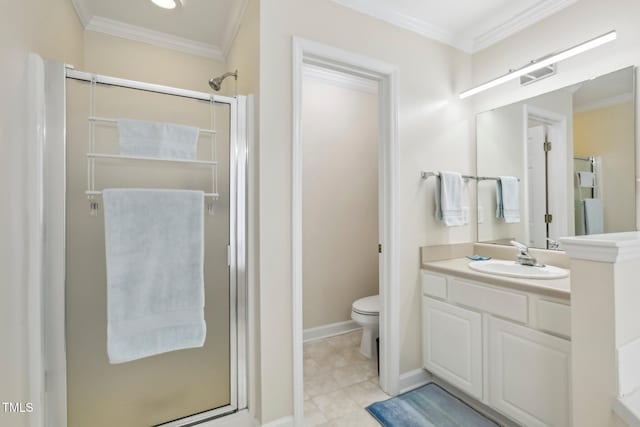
x=559, y=288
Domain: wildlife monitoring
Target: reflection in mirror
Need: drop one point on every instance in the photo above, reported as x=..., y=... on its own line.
x=572, y=154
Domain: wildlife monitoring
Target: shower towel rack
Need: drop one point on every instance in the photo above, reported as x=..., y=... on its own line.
x=427, y=175
x=92, y=155
x=114, y=122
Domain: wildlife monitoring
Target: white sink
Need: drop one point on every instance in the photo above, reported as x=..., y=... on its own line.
x=513, y=269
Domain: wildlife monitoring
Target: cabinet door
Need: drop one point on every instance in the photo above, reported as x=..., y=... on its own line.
x=529, y=375
x=452, y=345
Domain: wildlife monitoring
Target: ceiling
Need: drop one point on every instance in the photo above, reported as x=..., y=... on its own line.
x=604, y=91
x=469, y=25
x=201, y=27
x=207, y=27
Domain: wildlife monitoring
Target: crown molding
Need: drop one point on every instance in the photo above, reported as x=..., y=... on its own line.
x=340, y=79
x=155, y=38
x=611, y=248
x=407, y=22
x=469, y=42
x=519, y=22
x=232, y=30
x=82, y=12
x=604, y=103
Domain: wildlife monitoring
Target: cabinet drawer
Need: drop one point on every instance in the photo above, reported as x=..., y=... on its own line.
x=434, y=285
x=553, y=317
x=505, y=304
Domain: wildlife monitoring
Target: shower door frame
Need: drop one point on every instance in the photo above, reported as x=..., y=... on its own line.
x=54, y=205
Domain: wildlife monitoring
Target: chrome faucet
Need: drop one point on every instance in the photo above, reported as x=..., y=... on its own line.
x=553, y=244
x=524, y=258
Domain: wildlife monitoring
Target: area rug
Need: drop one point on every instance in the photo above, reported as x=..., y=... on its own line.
x=427, y=406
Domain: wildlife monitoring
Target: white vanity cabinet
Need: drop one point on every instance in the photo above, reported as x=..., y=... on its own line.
x=507, y=348
x=529, y=374
x=452, y=345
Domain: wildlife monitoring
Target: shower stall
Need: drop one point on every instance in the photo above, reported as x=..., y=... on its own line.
x=81, y=159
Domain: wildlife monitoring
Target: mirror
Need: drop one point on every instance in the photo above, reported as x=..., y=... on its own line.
x=572, y=154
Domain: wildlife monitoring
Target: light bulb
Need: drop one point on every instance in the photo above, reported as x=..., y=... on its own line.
x=165, y=4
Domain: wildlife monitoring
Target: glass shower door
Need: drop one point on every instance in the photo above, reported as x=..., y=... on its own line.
x=167, y=387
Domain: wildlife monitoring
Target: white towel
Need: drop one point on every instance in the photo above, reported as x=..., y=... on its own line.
x=449, y=199
x=586, y=179
x=508, y=199
x=593, y=216
x=155, y=271
x=579, y=211
x=158, y=140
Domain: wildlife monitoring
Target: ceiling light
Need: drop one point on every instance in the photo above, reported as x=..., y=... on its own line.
x=166, y=4
x=542, y=62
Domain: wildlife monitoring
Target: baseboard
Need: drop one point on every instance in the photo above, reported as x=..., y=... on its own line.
x=414, y=379
x=239, y=419
x=330, y=330
x=280, y=422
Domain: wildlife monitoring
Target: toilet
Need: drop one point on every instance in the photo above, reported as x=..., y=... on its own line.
x=366, y=312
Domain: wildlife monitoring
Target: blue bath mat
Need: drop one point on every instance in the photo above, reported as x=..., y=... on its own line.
x=427, y=406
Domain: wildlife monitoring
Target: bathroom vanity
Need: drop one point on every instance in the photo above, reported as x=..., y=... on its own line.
x=503, y=341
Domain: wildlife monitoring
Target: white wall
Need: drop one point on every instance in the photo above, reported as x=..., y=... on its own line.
x=575, y=24
x=340, y=200
x=435, y=133
x=50, y=28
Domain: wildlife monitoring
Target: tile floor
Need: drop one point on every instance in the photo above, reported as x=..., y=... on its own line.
x=339, y=383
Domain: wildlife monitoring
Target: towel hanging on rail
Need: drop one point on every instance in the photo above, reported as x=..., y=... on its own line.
x=449, y=199
x=155, y=271
x=159, y=140
x=508, y=199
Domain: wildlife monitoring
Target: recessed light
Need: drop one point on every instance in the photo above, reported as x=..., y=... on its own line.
x=166, y=4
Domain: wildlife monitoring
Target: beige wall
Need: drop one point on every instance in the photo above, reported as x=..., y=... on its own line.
x=609, y=133
x=435, y=133
x=340, y=203
x=113, y=56
x=560, y=31
x=51, y=29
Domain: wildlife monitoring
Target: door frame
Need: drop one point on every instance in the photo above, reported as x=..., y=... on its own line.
x=306, y=51
x=53, y=335
x=562, y=199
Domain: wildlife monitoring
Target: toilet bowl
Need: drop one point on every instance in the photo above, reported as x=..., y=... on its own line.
x=366, y=312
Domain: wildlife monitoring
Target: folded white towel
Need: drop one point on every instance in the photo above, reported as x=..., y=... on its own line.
x=586, y=179
x=155, y=271
x=593, y=216
x=508, y=199
x=158, y=140
x=449, y=199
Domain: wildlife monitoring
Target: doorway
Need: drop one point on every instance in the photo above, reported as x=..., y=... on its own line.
x=340, y=232
x=310, y=53
x=547, y=184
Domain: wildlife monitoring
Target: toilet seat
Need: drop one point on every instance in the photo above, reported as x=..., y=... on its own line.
x=368, y=306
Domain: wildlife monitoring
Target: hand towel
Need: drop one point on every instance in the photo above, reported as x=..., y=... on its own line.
x=579, y=211
x=449, y=199
x=586, y=179
x=155, y=271
x=593, y=216
x=508, y=199
x=158, y=140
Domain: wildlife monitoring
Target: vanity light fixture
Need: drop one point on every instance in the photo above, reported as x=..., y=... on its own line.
x=167, y=4
x=543, y=62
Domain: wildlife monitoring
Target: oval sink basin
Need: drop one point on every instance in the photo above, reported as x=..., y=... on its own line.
x=513, y=269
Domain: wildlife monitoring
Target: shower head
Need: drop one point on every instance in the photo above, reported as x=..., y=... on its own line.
x=216, y=82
